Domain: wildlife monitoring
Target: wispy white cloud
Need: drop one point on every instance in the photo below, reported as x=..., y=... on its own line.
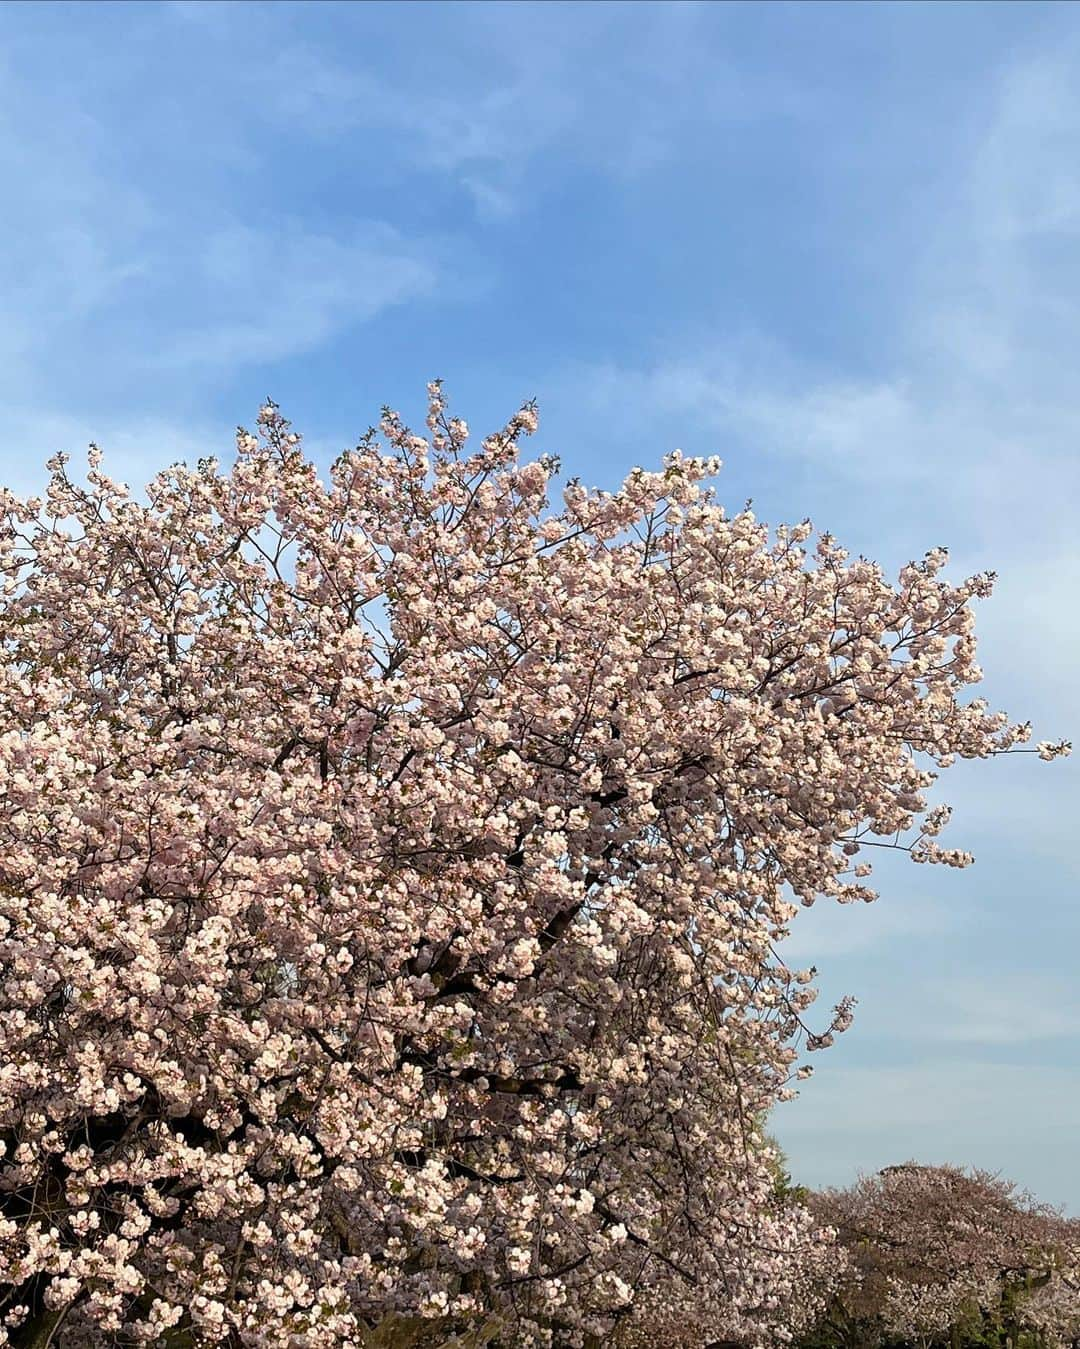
x=102, y=268
x=753, y=390
x=617, y=91
x=978, y=404
x=263, y=295
x=132, y=291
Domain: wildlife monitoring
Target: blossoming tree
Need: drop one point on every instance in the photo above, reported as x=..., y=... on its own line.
x=391, y=871
x=939, y=1255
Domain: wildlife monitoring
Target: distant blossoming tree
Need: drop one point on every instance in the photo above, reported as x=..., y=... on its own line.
x=390, y=876
x=939, y=1255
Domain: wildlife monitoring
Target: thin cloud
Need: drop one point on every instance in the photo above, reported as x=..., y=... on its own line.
x=261, y=296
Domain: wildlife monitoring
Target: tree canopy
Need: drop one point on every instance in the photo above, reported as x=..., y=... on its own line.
x=394, y=872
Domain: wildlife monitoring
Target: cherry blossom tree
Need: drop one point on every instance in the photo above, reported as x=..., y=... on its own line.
x=943, y=1256
x=1051, y=1310
x=392, y=870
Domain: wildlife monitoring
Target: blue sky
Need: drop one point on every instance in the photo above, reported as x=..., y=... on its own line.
x=837, y=245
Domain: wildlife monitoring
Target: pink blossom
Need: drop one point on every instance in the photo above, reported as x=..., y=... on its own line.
x=391, y=873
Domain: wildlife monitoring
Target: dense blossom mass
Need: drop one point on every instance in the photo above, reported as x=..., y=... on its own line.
x=391, y=877
x=944, y=1256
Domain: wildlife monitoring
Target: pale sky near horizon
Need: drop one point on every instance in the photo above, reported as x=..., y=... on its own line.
x=838, y=245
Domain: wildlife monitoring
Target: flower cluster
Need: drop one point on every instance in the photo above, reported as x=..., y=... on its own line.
x=936, y=1251
x=391, y=871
